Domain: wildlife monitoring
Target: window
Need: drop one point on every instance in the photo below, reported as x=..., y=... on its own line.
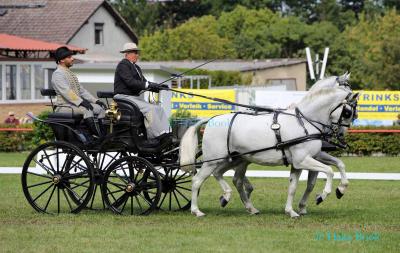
x=98, y=34
x=25, y=80
x=39, y=80
x=11, y=82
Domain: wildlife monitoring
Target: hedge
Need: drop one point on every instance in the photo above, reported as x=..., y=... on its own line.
x=359, y=143
x=370, y=143
x=12, y=141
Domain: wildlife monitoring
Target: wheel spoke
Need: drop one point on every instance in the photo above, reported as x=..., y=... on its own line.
x=119, y=201
x=116, y=174
x=34, y=185
x=123, y=206
x=81, y=184
x=177, y=201
x=183, y=182
x=75, y=194
x=65, y=162
x=58, y=160
x=58, y=200
x=39, y=175
x=42, y=193
x=149, y=203
x=140, y=206
x=180, y=193
x=73, y=165
x=162, y=201
x=94, y=195
x=184, y=188
x=170, y=201
x=47, y=169
x=108, y=193
x=181, y=177
x=112, y=195
x=120, y=186
x=77, y=175
x=48, y=159
x=131, y=205
x=48, y=201
x=69, y=203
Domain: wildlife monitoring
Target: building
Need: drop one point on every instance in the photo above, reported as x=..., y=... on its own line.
x=282, y=74
x=91, y=24
x=92, y=27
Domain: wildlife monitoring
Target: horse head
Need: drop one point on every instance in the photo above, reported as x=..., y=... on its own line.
x=331, y=97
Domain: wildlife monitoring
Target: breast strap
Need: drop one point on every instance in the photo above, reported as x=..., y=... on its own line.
x=276, y=127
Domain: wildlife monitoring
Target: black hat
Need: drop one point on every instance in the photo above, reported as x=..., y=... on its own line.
x=62, y=53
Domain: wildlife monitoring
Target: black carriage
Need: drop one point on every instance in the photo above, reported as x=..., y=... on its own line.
x=120, y=171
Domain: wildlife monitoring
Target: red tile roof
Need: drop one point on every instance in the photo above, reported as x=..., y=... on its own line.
x=53, y=20
x=15, y=43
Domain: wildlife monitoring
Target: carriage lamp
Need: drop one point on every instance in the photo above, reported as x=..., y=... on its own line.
x=114, y=114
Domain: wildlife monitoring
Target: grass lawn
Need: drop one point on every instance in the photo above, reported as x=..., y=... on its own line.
x=353, y=164
x=369, y=208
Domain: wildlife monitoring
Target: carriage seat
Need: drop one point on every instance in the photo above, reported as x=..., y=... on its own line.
x=105, y=94
x=65, y=117
x=130, y=112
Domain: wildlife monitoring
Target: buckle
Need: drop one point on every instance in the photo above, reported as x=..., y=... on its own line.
x=275, y=126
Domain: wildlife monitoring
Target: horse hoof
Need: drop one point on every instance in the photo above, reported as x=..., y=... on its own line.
x=292, y=214
x=303, y=211
x=223, y=201
x=198, y=214
x=339, y=195
x=319, y=200
x=254, y=212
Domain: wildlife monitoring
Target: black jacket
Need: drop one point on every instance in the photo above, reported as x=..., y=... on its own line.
x=127, y=80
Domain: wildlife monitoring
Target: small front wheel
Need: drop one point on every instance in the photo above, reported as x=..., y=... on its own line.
x=132, y=186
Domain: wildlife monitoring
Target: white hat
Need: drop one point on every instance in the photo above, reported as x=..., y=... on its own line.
x=129, y=47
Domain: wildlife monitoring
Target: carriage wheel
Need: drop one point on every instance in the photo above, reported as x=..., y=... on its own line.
x=61, y=181
x=131, y=186
x=176, y=189
x=101, y=162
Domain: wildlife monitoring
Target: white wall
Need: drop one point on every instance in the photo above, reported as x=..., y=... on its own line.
x=114, y=36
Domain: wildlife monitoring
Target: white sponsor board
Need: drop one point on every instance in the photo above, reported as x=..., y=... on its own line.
x=278, y=99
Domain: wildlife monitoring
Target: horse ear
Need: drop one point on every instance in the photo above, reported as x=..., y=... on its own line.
x=348, y=76
x=355, y=96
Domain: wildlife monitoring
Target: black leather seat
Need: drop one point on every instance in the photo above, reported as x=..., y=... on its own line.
x=65, y=117
x=130, y=113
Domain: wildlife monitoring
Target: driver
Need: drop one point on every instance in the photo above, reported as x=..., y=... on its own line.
x=129, y=82
x=71, y=95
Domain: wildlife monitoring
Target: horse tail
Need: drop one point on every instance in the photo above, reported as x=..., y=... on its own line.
x=189, y=147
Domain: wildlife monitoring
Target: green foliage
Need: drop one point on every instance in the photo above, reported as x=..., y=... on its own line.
x=12, y=141
x=182, y=114
x=195, y=39
x=42, y=132
x=368, y=143
x=371, y=51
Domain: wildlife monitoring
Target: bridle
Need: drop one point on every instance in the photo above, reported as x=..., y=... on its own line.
x=348, y=114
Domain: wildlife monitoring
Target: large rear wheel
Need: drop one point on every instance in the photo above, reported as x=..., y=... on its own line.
x=57, y=177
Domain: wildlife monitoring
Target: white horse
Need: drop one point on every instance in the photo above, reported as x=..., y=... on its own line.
x=244, y=187
x=250, y=132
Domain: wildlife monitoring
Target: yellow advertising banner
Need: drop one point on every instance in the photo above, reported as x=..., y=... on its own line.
x=201, y=107
x=378, y=105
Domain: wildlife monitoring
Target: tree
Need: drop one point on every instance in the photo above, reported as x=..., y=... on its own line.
x=195, y=39
x=371, y=50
